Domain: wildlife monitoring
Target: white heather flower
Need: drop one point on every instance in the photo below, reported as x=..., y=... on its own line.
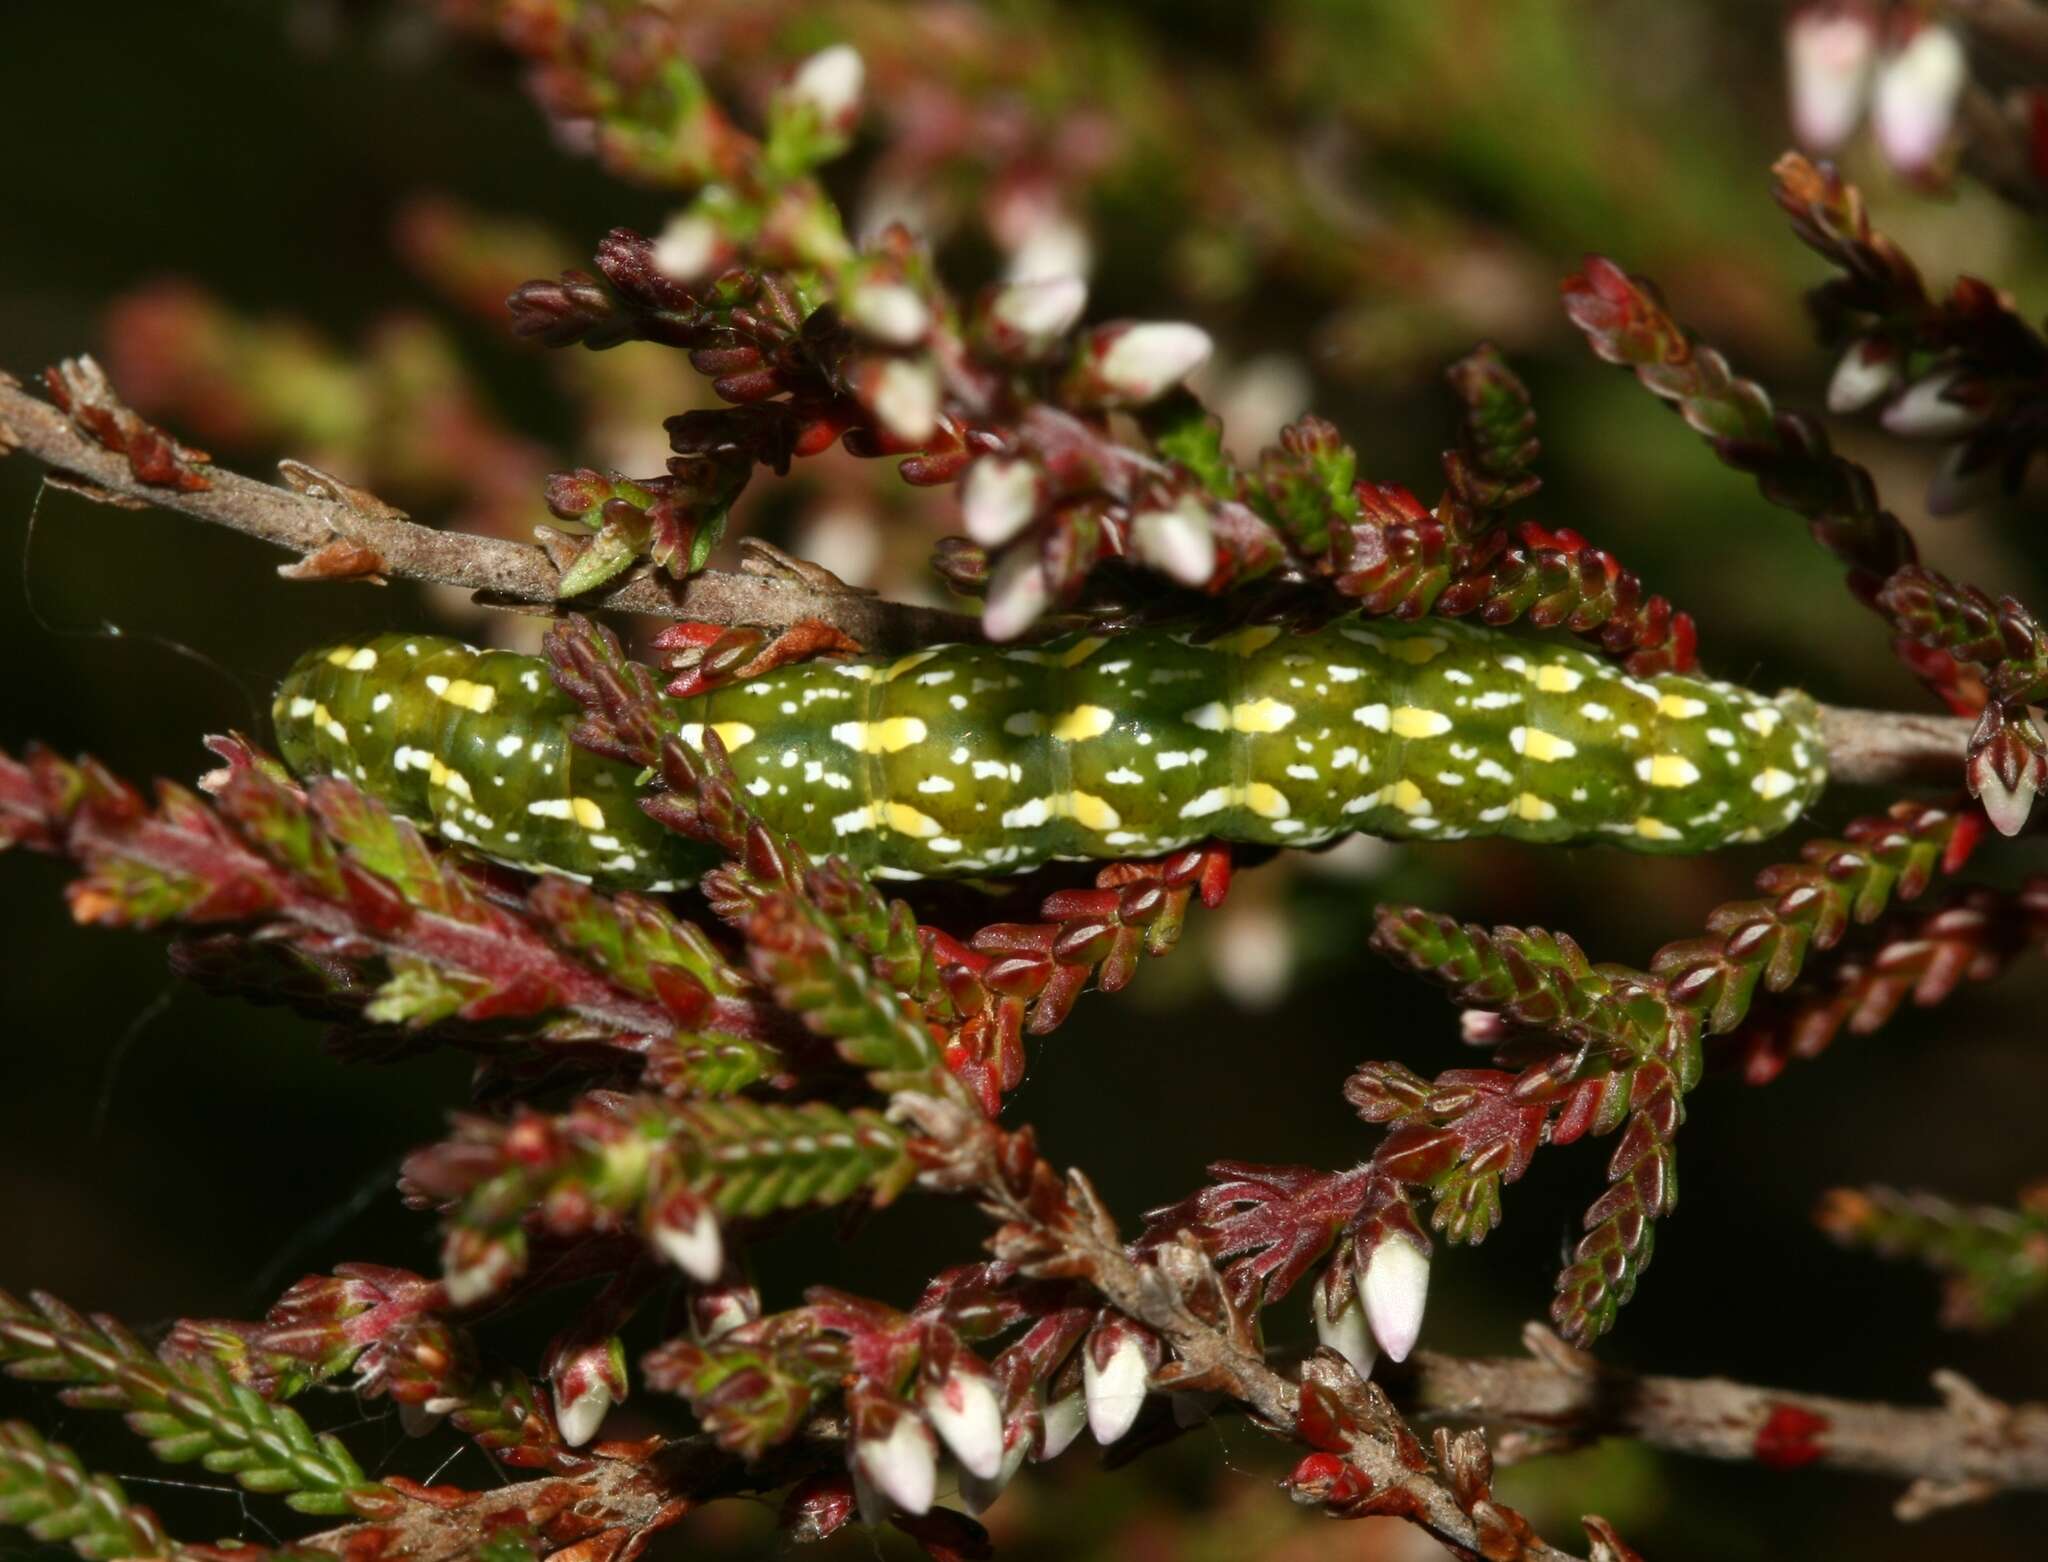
x=1042, y=309
x=1147, y=360
x=1017, y=593
x=902, y=1465
x=905, y=399
x=889, y=312
x=687, y=248
x=1915, y=103
x=1346, y=1334
x=695, y=1247
x=1062, y=1420
x=964, y=1411
x=470, y=1282
x=830, y=81
x=1180, y=542
x=1396, y=1287
x=580, y=1417
x=1828, y=50
x=1926, y=411
x=1054, y=247
x=1116, y=1390
x=998, y=498
x=1868, y=372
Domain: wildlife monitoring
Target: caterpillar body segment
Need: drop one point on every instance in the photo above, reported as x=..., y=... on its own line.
x=969, y=760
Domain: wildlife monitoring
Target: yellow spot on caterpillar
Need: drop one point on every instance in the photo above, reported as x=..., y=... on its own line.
x=478, y=697
x=1408, y=797
x=877, y=737
x=1668, y=770
x=1081, y=650
x=587, y=813
x=1540, y=745
x=1083, y=721
x=898, y=668
x=1763, y=722
x=733, y=734
x=1556, y=678
x=1261, y=716
x=439, y=774
x=1091, y=812
x=1682, y=707
x=1773, y=783
x=1268, y=802
x=1655, y=829
x=338, y=657
x=361, y=662
x=1535, y=809
x=905, y=820
x=1247, y=642
x=301, y=708
x=1411, y=721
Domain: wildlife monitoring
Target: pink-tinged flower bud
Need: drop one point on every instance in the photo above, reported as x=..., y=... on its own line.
x=817, y=1507
x=1345, y=1331
x=1395, y=1287
x=686, y=1231
x=1017, y=593
x=1828, y=50
x=1041, y=311
x=475, y=1266
x=902, y=1464
x=964, y=1411
x=998, y=497
x=1116, y=1372
x=1915, y=103
x=1180, y=543
x=888, y=312
x=1927, y=411
x=587, y=1382
x=903, y=394
x=1061, y=1421
x=2006, y=772
x=718, y=1310
x=830, y=82
x=1140, y=363
x=1868, y=372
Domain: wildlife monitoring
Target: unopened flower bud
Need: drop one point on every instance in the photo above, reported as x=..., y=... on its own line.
x=1868, y=372
x=903, y=394
x=686, y=1231
x=1055, y=246
x=888, y=312
x=1116, y=1372
x=1917, y=88
x=1061, y=1421
x=979, y=1492
x=902, y=1463
x=1927, y=411
x=689, y=249
x=585, y=1391
x=964, y=1411
x=1040, y=311
x=1395, y=1287
x=1179, y=542
x=830, y=82
x=1140, y=363
x=1017, y=593
x=719, y=1309
x=1345, y=1331
x=998, y=497
x=475, y=1265
x=1828, y=50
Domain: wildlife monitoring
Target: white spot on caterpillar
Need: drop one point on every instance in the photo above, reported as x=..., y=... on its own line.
x=1372, y=716
x=876, y=737
x=1593, y=710
x=1496, y=699
x=1764, y=721
x=1343, y=672
x=935, y=784
x=362, y=661
x=382, y=703
x=509, y=744
x=1541, y=746
x=1720, y=737
x=1211, y=801
x=1174, y=760
x=1656, y=830
x=1556, y=678
x=301, y=708
x=1124, y=775
x=1680, y=707
x=1536, y=810
x=1027, y=816
x=1493, y=770
x=1773, y=783
x=1301, y=772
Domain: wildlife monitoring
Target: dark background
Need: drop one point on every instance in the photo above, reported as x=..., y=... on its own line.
x=164, y=1154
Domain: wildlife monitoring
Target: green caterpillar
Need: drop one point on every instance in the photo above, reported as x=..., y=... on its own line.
x=980, y=759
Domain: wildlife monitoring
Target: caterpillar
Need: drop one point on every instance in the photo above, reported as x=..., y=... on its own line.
x=968, y=759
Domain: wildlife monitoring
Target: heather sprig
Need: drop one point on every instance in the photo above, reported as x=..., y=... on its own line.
x=1993, y=1259
x=188, y=1410
x=46, y=1491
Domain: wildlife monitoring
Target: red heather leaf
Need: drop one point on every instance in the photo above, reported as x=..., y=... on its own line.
x=1275, y=1221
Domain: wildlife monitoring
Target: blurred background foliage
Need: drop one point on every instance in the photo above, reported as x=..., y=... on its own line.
x=285, y=228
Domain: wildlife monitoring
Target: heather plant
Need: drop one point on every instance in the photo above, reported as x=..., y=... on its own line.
x=737, y=980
